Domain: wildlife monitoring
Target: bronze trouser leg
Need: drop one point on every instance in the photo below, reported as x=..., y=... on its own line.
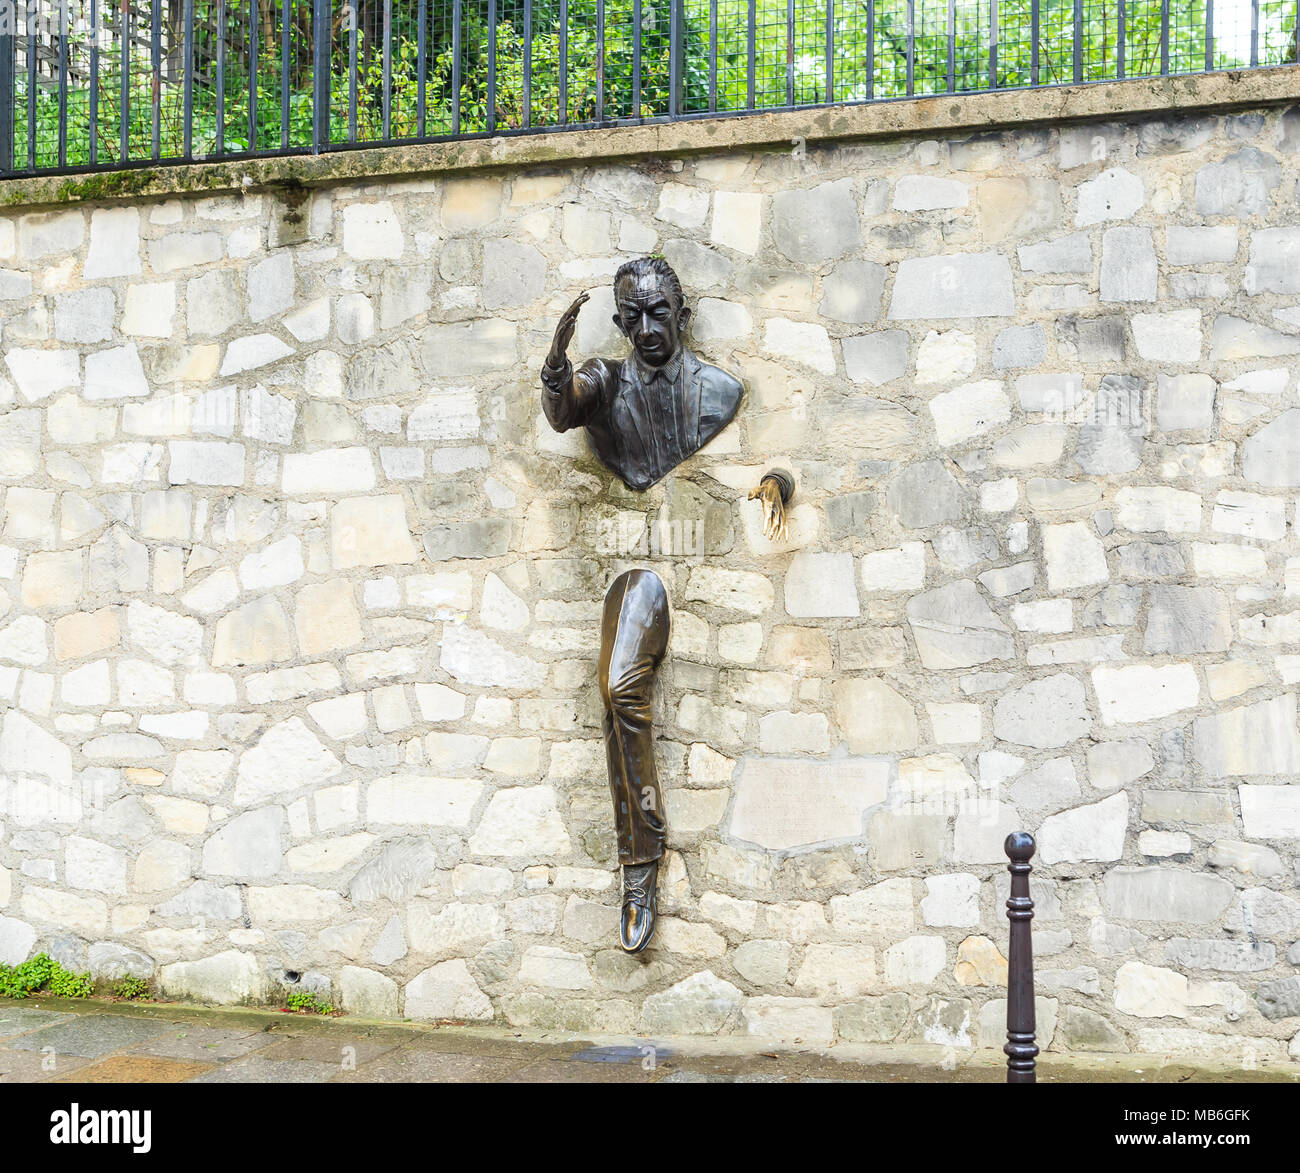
x=633, y=639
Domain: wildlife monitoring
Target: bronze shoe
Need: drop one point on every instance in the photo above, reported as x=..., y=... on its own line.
x=637, y=925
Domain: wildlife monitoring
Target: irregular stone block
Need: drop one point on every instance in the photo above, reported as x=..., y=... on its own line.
x=782, y=804
x=1184, y=620
x=1271, y=456
x=1113, y=764
x=1149, y=991
x=446, y=991
x=1258, y=739
x=963, y=285
x=702, y=1004
x=925, y=494
x=852, y=292
x=1165, y=894
x=1234, y=338
x=874, y=717
x=954, y=628
x=1020, y=346
x=816, y=224
x=371, y=231
x=1112, y=438
x=821, y=585
x=1129, y=271
x=1074, y=556
x=1270, y=812
x=226, y=979
x=1065, y=254
x=872, y=1020
x=1242, y=185
x=368, y=994
x=1045, y=714
x=1144, y=693
x=247, y=847
x=521, y=821
x=877, y=358
x=1279, y=999
x=487, y=537
x=1112, y=195
x=1228, y=956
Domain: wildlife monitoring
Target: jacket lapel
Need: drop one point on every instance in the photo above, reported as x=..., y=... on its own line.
x=691, y=391
x=635, y=414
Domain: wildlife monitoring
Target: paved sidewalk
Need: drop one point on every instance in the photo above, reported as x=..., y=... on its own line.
x=51, y=1040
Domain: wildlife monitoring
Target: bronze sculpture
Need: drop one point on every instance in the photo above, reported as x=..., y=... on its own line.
x=647, y=413
x=643, y=415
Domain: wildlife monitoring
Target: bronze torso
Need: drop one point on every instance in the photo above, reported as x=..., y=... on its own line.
x=642, y=422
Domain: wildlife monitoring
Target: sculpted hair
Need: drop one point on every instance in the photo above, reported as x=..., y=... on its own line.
x=660, y=269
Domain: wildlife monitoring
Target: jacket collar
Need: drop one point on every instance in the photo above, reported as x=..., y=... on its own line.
x=669, y=370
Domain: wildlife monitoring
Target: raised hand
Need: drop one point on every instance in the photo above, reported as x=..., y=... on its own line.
x=774, y=522
x=564, y=333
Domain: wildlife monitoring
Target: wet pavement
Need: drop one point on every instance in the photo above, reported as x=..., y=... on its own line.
x=50, y=1040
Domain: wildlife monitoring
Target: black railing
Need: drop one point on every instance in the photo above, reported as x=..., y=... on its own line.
x=109, y=84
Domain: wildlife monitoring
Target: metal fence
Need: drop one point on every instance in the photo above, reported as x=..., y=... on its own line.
x=109, y=84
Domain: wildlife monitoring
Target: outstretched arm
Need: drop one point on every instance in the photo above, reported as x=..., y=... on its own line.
x=569, y=398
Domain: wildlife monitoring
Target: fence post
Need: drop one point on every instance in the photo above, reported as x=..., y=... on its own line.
x=321, y=30
x=8, y=29
x=1020, y=1049
x=676, y=80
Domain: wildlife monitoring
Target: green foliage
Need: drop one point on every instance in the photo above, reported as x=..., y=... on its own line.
x=131, y=987
x=66, y=984
x=42, y=974
x=305, y=1002
x=781, y=71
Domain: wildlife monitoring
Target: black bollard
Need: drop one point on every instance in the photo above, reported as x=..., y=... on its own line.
x=1020, y=1048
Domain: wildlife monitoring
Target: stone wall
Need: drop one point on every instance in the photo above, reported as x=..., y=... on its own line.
x=301, y=594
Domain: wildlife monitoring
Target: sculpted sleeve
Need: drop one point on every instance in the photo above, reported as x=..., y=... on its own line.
x=571, y=398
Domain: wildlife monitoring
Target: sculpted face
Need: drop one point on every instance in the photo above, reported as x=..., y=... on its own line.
x=649, y=319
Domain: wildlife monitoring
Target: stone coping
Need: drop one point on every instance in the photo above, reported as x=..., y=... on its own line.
x=940, y=114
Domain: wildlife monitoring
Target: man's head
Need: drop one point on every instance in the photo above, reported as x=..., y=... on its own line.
x=649, y=309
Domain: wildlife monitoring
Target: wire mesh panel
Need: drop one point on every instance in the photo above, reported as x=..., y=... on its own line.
x=731, y=86
x=621, y=64
x=374, y=86
x=580, y=62
x=1099, y=55
x=548, y=20
x=1277, y=32
x=772, y=54
x=968, y=44
x=114, y=92
x=1058, y=42
x=893, y=45
x=698, y=80
x=1230, y=30
x=1186, y=36
x=930, y=46
x=440, y=25
x=1055, y=42
x=1264, y=30
x=49, y=68
x=1144, y=43
x=807, y=54
x=852, y=56
x=1016, y=32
